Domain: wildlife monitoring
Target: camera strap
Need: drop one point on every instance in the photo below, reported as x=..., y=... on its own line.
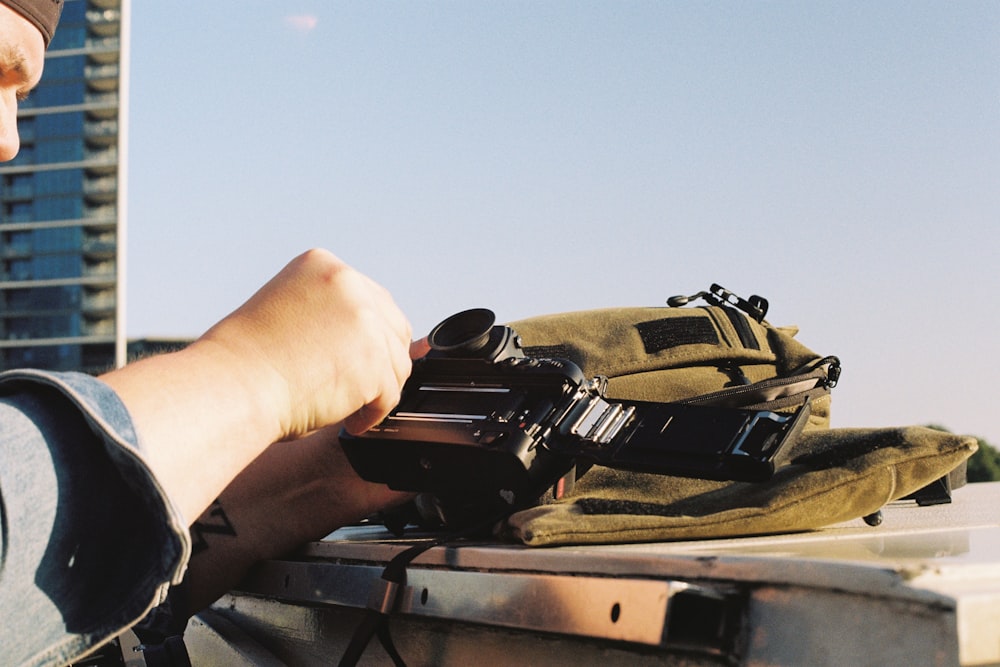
x=385, y=595
x=381, y=603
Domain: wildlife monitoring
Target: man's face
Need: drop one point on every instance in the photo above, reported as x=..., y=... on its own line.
x=22, y=55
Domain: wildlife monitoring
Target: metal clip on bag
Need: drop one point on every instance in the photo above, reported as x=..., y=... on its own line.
x=724, y=354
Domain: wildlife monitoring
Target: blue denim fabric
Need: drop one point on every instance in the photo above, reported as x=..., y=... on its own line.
x=89, y=542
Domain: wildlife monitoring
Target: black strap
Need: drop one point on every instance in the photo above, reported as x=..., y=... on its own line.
x=384, y=601
x=171, y=652
x=386, y=640
x=161, y=633
x=376, y=619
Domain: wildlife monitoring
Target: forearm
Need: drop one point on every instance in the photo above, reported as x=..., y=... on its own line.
x=199, y=420
x=293, y=493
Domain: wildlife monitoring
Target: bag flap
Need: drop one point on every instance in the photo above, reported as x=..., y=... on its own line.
x=836, y=475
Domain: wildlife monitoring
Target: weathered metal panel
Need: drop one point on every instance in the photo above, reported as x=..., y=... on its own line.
x=923, y=588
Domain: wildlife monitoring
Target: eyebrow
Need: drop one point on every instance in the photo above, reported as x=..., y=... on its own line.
x=13, y=60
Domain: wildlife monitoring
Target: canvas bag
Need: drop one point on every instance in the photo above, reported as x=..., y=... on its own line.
x=723, y=353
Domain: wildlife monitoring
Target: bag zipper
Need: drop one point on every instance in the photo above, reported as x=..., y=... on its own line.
x=765, y=391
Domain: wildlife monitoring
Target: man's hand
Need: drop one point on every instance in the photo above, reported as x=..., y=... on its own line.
x=319, y=344
x=331, y=344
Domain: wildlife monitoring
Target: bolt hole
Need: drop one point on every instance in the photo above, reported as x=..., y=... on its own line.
x=423, y=596
x=616, y=612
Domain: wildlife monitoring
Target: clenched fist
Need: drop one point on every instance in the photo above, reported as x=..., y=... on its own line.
x=325, y=342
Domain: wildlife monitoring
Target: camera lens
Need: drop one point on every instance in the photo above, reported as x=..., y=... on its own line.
x=468, y=331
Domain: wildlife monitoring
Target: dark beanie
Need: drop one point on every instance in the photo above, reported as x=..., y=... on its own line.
x=43, y=13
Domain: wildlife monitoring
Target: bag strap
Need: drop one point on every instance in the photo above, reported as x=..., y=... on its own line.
x=755, y=307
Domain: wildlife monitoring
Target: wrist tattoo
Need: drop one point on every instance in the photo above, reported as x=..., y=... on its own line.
x=213, y=522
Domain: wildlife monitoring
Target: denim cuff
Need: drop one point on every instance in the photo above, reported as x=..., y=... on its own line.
x=90, y=540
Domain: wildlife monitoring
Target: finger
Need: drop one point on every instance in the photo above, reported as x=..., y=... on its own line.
x=402, y=365
x=371, y=414
x=419, y=348
x=394, y=374
x=358, y=423
x=395, y=319
x=405, y=330
x=399, y=361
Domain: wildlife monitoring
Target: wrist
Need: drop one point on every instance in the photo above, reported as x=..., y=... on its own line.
x=255, y=394
x=199, y=420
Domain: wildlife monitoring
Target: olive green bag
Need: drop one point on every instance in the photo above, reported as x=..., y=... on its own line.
x=722, y=354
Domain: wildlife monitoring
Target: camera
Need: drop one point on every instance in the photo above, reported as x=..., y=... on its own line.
x=484, y=430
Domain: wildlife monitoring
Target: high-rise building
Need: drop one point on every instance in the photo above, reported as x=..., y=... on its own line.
x=62, y=201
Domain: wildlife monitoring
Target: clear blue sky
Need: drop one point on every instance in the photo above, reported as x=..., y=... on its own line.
x=841, y=159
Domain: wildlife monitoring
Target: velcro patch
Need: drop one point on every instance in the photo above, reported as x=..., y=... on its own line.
x=658, y=335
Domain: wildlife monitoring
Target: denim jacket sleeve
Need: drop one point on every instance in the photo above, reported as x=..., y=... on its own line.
x=89, y=541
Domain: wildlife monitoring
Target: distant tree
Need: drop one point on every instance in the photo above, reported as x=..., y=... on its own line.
x=984, y=465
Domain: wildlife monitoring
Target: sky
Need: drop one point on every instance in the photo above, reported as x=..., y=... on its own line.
x=840, y=159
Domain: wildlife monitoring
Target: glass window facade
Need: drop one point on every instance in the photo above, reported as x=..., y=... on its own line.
x=59, y=200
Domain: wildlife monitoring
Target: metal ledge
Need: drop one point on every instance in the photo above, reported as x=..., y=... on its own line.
x=619, y=609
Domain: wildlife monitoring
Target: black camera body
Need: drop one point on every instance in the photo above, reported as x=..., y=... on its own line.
x=485, y=429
